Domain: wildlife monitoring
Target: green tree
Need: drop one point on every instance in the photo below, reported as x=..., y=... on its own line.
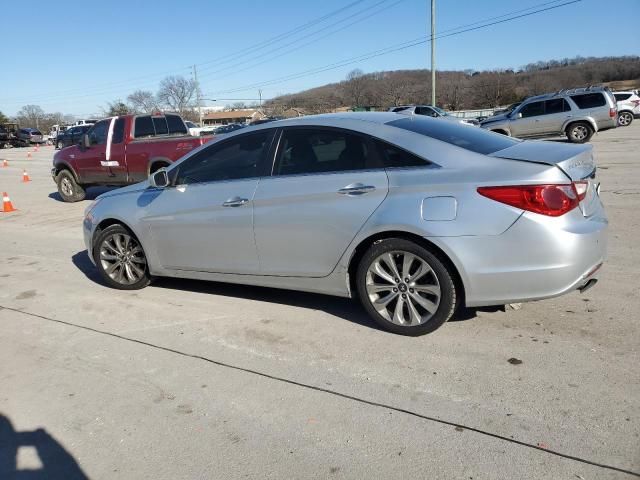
x=3, y=118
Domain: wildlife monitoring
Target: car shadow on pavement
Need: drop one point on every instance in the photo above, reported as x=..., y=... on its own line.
x=344, y=308
x=55, y=463
x=92, y=193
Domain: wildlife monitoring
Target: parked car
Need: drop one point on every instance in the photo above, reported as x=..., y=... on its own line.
x=628, y=106
x=54, y=131
x=412, y=215
x=71, y=136
x=577, y=113
x=4, y=136
x=30, y=136
x=194, y=129
x=431, y=111
x=232, y=127
x=119, y=151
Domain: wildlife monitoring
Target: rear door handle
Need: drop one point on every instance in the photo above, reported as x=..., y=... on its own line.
x=356, y=189
x=235, y=202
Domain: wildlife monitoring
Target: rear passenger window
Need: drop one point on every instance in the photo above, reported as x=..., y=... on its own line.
x=557, y=105
x=118, y=131
x=589, y=100
x=621, y=96
x=160, y=125
x=143, y=127
x=396, y=157
x=318, y=151
x=175, y=124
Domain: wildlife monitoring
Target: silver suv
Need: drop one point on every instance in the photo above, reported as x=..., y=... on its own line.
x=577, y=113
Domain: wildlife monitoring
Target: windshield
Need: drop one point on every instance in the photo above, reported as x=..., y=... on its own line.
x=440, y=111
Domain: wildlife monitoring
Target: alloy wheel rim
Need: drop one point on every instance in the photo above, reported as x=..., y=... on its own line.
x=122, y=258
x=579, y=132
x=403, y=288
x=624, y=119
x=67, y=188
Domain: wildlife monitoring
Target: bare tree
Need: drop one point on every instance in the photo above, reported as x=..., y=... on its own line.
x=177, y=94
x=238, y=105
x=143, y=101
x=116, y=108
x=31, y=115
x=355, y=87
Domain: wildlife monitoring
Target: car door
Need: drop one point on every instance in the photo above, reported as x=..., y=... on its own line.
x=324, y=186
x=88, y=160
x=205, y=222
x=526, y=121
x=556, y=111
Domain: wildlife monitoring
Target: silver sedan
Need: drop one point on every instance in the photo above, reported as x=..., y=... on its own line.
x=414, y=216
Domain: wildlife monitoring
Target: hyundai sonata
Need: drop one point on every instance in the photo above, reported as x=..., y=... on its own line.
x=414, y=216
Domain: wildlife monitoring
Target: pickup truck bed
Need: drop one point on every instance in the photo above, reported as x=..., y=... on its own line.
x=120, y=151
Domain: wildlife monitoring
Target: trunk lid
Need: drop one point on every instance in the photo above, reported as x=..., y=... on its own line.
x=576, y=161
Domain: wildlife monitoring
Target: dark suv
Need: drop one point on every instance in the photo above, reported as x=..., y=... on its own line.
x=71, y=136
x=30, y=135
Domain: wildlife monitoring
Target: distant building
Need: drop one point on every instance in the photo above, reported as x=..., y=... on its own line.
x=233, y=116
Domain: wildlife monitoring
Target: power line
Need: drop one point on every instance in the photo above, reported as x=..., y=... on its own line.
x=385, y=51
x=238, y=54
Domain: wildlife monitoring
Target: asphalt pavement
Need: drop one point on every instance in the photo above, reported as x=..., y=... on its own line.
x=189, y=379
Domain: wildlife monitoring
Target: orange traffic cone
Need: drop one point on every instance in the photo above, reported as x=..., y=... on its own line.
x=29, y=155
x=7, y=206
x=37, y=149
x=25, y=176
x=5, y=164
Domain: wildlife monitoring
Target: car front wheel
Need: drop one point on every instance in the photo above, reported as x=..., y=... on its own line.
x=68, y=188
x=625, y=119
x=405, y=288
x=120, y=259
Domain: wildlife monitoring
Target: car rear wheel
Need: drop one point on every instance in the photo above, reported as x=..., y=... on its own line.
x=68, y=188
x=120, y=259
x=625, y=119
x=579, y=132
x=60, y=145
x=405, y=288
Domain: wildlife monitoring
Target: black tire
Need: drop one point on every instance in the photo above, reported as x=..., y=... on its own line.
x=439, y=274
x=68, y=188
x=157, y=166
x=103, y=245
x=579, y=132
x=625, y=118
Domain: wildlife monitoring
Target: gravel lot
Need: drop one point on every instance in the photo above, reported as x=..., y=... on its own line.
x=190, y=379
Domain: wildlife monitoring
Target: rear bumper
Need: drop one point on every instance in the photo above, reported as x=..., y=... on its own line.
x=538, y=257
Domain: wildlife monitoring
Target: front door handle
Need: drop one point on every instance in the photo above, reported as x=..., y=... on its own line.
x=235, y=202
x=356, y=189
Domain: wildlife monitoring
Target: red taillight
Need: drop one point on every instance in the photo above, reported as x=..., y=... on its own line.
x=581, y=188
x=551, y=200
x=613, y=112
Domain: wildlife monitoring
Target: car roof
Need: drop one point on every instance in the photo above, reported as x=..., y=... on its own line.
x=562, y=93
x=342, y=117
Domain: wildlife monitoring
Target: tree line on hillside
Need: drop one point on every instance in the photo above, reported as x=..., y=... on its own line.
x=459, y=90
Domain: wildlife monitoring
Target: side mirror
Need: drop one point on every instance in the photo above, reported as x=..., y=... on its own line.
x=159, y=179
x=85, y=142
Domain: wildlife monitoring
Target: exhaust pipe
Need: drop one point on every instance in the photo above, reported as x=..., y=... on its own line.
x=588, y=285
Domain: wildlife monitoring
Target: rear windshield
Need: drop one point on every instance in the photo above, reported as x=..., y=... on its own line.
x=621, y=96
x=468, y=137
x=589, y=100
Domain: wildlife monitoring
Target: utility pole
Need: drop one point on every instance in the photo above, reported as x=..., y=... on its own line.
x=433, y=52
x=198, y=99
x=260, y=99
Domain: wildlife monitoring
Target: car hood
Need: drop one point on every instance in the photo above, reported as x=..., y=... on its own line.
x=136, y=187
x=495, y=118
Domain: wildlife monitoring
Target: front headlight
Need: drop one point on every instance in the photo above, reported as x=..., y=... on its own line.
x=90, y=208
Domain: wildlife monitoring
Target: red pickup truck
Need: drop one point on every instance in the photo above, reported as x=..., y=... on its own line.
x=121, y=150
